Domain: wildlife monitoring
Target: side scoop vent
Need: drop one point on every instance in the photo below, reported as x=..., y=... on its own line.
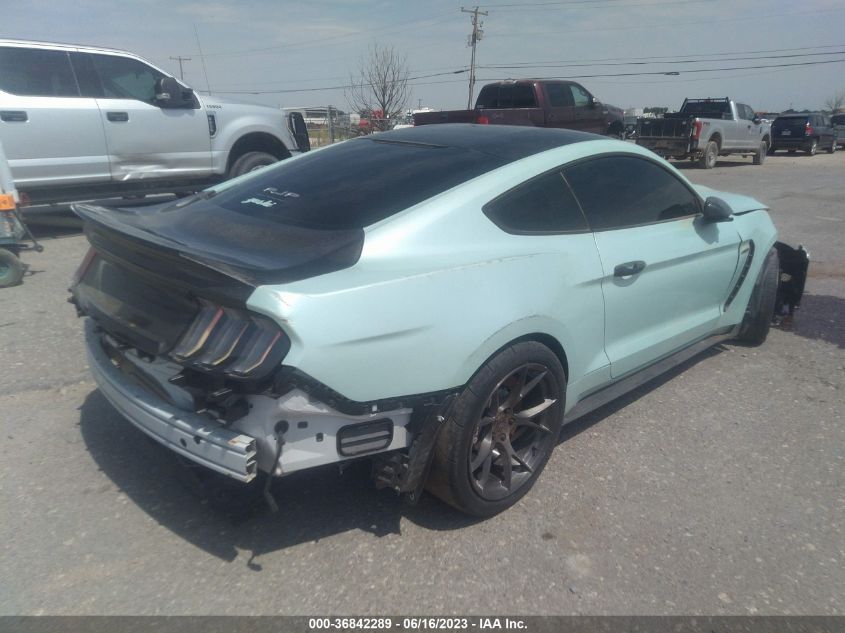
x=231, y=342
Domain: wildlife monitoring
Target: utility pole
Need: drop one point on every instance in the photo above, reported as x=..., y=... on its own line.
x=181, y=59
x=477, y=34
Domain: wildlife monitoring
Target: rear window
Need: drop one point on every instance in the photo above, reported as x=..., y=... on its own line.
x=838, y=119
x=706, y=109
x=355, y=183
x=500, y=96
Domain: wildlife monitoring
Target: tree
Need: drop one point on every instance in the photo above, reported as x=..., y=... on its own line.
x=379, y=89
x=835, y=103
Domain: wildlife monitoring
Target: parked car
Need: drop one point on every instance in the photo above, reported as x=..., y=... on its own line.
x=807, y=132
x=705, y=129
x=539, y=103
x=444, y=318
x=82, y=122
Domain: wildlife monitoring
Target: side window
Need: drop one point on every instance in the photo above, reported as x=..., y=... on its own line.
x=35, y=72
x=579, y=95
x=126, y=78
x=542, y=205
x=523, y=96
x=560, y=96
x=622, y=191
x=743, y=111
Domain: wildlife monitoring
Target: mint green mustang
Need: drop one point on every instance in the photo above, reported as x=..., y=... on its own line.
x=439, y=300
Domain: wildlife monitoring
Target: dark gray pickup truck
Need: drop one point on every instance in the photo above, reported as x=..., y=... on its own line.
x=705, y=129
x=541, y=103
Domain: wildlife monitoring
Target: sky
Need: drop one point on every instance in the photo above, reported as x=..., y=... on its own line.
x=299, y=54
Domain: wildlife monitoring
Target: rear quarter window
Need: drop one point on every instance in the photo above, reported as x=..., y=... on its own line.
x=543, y=205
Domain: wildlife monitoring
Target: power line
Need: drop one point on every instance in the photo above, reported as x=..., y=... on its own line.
x=687, y=23
x=181, y=59
x=645, y=63
x=631, y=74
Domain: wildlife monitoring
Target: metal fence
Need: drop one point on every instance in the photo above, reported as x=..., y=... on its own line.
x=328, y=124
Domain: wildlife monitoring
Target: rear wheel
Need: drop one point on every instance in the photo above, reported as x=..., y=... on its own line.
x=760, y=156
x=11, y=269
x=814, y=145
x=502, y=431
x=832, y=147
x=761, y=306
x=250, y=162
x=709, y=156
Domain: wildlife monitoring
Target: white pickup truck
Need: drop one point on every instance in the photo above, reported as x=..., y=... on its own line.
x=705, y=129
x=81, y=123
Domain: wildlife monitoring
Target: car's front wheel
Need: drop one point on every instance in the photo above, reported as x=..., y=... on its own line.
x=501, y=432
x=761, y=306
x=760, y=156
x=811, y=150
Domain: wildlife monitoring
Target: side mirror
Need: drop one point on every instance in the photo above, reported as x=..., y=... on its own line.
x=717, y=210
x=171, y=94
x=756, y=120
x=594, y=102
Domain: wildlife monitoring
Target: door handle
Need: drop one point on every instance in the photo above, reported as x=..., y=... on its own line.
x=117, y=117
x=629, y=268
x=17, y=116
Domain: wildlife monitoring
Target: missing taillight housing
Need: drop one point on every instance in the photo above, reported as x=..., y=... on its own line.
x=89, y=258
x=231, y=342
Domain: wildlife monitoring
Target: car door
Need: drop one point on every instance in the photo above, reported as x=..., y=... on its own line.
x=753, y=130
x=51, y=134
x=667, y=273
x=561, y=107
x=144, y=140
x=589, y=111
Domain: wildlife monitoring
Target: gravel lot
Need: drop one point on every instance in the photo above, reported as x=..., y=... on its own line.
x=718, y=489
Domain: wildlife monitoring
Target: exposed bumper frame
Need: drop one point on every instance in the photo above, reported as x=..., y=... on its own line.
x=191, y=435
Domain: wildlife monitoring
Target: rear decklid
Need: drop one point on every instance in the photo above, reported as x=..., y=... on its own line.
x=790, y=125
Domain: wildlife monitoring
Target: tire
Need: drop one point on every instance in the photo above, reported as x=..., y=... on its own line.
x=760, y=156
x=486, y=425
x=709, y=156
x=11, y=269
x=772, y=150
x=832, y=148
x=814, y=145
x=250, y=162
x=761, y=306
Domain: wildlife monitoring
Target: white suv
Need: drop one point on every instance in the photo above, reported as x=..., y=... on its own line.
x=80, y=123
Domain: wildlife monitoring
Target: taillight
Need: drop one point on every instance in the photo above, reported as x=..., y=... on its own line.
x=83, y=267
x=696, y=130
x=236, y=343
x=808, y=129
x=482, y=120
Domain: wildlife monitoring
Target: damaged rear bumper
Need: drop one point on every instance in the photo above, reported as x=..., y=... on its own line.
x=191, y=435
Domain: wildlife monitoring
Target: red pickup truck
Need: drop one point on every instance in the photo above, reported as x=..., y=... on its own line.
x=541, y=103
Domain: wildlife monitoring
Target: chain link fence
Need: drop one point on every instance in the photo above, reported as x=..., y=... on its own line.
x=328, y=124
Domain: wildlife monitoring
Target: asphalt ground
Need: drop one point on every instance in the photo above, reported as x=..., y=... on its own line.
x=716, y=489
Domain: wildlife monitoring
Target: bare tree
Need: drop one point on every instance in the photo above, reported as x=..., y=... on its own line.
x=835, y=103
x=379, y=89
